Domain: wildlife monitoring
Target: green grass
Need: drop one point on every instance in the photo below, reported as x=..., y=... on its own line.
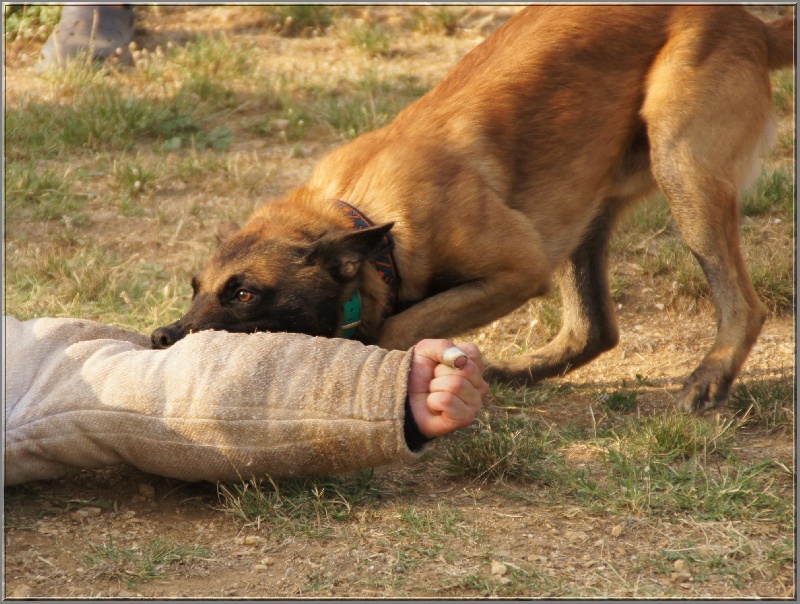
x=765, y=403
x=91, y=282
x=783, y=90
x=774, y=190
x=100, y=117
x=676, y=463
x=373, y=39
x=299, y=506
x=437, y=19
x=652, y=215
x=133, y=565
x=36, y=191
x=28, y=21
x=669, y=435
x=299, y=19
x=501, y=449
x=617, y=400
x=171, y=106
x=429, y=524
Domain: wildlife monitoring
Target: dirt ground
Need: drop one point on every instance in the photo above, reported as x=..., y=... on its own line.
x=548, y=550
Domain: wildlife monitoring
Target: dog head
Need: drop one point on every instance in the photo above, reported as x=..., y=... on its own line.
x=271, y=276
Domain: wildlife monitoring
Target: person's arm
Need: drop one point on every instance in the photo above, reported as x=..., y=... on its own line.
x=216, y=406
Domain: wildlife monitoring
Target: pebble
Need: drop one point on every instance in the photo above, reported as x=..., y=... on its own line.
x=86, y=512
x=498, y=568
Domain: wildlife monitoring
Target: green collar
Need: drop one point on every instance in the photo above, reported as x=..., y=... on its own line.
x=351, y=310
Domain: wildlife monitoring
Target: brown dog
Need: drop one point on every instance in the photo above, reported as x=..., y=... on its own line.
x=514, y=170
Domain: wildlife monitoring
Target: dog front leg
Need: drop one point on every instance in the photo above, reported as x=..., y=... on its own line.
x=461, y=308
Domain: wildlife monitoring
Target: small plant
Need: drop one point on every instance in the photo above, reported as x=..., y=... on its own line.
x=670, y=435
x=436, y=525
x=783, y=90
x=374, y=39
x=650, y=216
x=765, y=403
x=299, y=19
x=32, y=190
x=774, y=281
x=132, y=177
x=618, y=400
x=303, y=505
x=134, y=564
x=28, y=21
x=437, y=20
x=673, y=260
x=447, y=20
x=511, y=448
x=774, y=190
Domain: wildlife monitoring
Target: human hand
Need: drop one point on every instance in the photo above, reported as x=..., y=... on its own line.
x=443, y=398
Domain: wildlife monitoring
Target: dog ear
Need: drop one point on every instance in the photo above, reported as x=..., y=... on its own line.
x=224, y=229
x=341, y=253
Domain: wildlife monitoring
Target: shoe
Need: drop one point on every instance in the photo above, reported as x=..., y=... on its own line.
x=103, y=30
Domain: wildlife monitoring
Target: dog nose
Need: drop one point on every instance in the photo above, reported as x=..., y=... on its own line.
x=164, y=337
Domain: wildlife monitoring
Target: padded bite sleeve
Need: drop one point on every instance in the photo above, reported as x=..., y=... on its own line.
x=215, y=406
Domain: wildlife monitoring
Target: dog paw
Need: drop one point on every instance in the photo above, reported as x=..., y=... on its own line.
x=704, y=390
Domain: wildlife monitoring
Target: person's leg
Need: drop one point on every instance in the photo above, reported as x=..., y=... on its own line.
x=103, y=30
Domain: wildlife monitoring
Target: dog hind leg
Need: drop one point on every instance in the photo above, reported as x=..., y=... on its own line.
x=588, y=318
x=705, y=128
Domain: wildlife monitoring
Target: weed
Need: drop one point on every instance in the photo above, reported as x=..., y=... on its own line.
x=364, y=104
x=670, y=435
x=548, y=313
x=40, y=192
x=438, y=19
x=783, y=90
x=303, y=505
x=299, y=19
x=774, y=190
x=674, y=260
x=132, y=178
x=430, y=524
x=618, y=401
x=374, y=39
x=774, y=281
x=216, y=57
x=765, y=403
x=28, y=21
x=510, y=448
x=135, y=564
x=522, y=399
x=650, y=216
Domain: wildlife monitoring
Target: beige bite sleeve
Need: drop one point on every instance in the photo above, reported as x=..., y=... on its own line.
x=215, y=406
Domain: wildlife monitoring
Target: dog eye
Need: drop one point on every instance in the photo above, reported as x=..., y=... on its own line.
x=244, y=295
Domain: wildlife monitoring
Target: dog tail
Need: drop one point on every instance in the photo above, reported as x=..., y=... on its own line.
x=780, y=42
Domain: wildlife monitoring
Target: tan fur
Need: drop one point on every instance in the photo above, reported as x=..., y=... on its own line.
x=514, y=169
